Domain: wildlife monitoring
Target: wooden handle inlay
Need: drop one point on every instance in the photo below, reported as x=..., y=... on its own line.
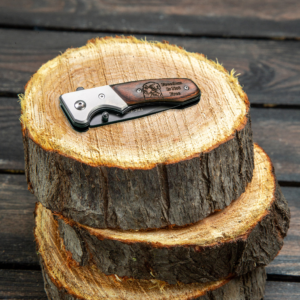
x=171, y=90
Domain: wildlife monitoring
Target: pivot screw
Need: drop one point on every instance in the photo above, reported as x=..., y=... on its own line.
x=101, y=96
x=80, y=105
x=186, y=87
x=138, y=90
x=105, y=116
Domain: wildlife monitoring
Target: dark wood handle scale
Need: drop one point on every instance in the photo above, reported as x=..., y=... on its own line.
x=169, y=90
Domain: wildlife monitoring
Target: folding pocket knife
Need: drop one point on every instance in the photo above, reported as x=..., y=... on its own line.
x=126, y=101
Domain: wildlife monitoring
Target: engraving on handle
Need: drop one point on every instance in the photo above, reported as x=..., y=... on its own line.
x=152, y=89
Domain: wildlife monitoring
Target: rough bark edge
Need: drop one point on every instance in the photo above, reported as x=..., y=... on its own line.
x=192, y=263
x=249, y=286
x=93, y=195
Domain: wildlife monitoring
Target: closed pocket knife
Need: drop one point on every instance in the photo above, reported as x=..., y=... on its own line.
x=126, y=101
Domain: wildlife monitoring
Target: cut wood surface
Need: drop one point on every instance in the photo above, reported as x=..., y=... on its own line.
x=270, y=72
x=250, y=231
x=63, y=278
x=171, y=168
x=254, y=18
x=19, y=284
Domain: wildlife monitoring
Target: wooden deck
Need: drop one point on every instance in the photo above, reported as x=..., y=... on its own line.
x=259, y=39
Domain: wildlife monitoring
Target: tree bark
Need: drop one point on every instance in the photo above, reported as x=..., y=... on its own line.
x=172, y=168
x=247, y=234
x=68, y=281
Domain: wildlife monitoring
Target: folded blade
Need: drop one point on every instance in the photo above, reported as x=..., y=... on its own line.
x=133, y=114
x=138, y=113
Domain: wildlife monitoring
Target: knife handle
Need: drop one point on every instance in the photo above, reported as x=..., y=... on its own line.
x=166, y=90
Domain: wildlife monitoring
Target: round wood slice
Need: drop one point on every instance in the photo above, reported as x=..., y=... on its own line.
x=246, y=234
x=171, y=168
x=64, y=280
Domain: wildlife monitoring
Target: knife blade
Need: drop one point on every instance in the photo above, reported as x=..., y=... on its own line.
x=126, y=101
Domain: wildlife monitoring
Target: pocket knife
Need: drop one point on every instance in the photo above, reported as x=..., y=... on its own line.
x=109, y=104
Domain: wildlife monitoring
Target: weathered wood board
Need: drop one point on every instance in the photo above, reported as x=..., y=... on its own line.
x=17, y=247
x=270, y=72
x=271, y=18
x=21, y=284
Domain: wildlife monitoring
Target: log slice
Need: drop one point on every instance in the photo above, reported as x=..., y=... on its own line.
x=66, y=281
x=246, y=234
x=171, y=168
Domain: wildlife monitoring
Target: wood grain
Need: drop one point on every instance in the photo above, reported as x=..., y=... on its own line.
x=282, y=290
x=277, y=131
x=287, y=263
x=21, y=284
x=160, y=90
x=270, y=72
x=17, y=248
x=271, y=18
x=11, y=150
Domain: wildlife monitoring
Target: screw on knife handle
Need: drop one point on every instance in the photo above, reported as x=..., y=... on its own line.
x=169, y=90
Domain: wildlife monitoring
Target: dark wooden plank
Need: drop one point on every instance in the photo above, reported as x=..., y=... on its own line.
x=277, y=131
x=253, y=18
x=282, y=290
x=16, y=284
x=287, y=263
x=23, y=52
x=21, y=284
x=17, y=247
x=270, y=71
x=11, y=150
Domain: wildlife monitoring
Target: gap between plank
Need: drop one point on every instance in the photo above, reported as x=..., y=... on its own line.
x=133, y=32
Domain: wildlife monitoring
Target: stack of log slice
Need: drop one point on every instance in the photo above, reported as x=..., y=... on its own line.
x=66, y=280
x=176, y=205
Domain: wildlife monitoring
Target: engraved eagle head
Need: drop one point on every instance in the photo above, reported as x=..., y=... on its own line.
x=151, y=89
